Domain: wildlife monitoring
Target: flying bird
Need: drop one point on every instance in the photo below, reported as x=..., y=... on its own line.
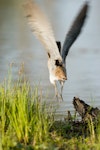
x=42, y=29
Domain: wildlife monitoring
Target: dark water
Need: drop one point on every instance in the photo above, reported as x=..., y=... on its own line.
x=18, y=46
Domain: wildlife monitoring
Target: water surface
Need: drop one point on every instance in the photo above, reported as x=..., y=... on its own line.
x=19, y=46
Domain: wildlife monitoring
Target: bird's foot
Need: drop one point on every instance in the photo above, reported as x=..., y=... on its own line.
x=59, y=97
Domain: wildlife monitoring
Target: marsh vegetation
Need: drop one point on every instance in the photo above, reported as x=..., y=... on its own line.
x=26, y=122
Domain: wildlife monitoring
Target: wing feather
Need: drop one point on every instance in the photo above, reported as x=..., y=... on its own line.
x=42, y=29
x=74, y=31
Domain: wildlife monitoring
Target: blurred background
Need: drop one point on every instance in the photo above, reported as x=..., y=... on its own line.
x=19, y=47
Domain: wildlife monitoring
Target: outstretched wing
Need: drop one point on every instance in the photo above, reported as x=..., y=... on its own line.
x=74, y=31
x=42, y=29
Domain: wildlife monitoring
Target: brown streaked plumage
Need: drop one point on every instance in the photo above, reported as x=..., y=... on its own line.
x=42, y=29
x=59, y=72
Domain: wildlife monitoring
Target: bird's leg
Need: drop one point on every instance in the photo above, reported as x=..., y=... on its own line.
x=56, y=91
x=57, y=94
x=62, y=85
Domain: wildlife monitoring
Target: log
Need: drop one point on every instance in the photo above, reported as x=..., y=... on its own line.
x=85, y=111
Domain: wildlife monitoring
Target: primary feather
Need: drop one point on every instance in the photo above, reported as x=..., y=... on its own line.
x=74, y=31
x=41, y=27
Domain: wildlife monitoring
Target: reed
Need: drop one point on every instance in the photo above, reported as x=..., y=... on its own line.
x=23, y=117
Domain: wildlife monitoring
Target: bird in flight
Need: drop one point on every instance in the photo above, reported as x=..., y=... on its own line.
x=42, y=29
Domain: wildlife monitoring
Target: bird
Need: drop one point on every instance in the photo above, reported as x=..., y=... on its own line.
x=42, y=29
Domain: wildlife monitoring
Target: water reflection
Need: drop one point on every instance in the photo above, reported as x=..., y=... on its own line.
x=18, y=45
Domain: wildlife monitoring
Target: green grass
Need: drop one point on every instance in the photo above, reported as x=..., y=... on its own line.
x=23, y=118
x=27, y=124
